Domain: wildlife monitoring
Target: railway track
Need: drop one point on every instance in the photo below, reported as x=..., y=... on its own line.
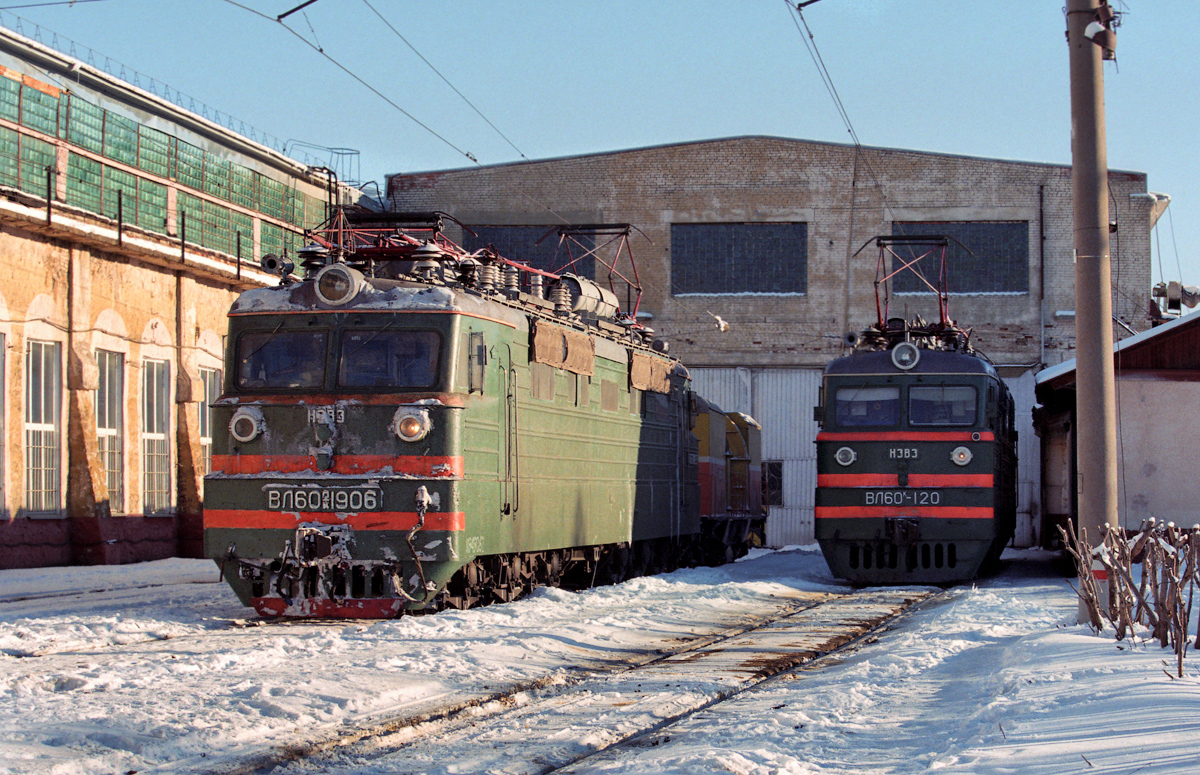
x=559, y=725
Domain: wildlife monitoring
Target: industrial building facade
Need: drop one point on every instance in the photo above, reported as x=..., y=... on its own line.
x=122, y=219
x=756, y=257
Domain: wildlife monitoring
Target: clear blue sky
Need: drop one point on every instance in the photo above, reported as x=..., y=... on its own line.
x=566, y=77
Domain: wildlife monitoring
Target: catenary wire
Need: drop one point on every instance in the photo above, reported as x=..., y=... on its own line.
x=446, y=80
x=357, y=78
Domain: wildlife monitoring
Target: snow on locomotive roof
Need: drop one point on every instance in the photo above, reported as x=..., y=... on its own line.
x=381, y=295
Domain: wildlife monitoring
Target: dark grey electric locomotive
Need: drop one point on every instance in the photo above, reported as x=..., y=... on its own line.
x=916, y=457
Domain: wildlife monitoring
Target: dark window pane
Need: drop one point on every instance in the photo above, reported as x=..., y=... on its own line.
x=726, y=258
x=389, y=359
x=941, y=405
x=520, y=243
x=283, y=359
x=867, y=406
x=773, y=482
x=1000, y=263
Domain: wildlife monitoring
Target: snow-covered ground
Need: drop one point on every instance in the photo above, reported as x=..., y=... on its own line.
x=137, y=668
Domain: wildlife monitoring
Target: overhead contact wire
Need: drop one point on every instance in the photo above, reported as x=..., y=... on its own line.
x=446, y=80
x=353, y=75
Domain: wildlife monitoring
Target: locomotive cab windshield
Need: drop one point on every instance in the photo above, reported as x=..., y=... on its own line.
x=912, y=405
x=384, y=356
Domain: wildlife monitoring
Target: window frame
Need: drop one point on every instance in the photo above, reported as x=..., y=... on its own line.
x=110, y=424
x=772, y=496
x=157, y=490
x=728, y=255
x=210, y=391
x=42, y=424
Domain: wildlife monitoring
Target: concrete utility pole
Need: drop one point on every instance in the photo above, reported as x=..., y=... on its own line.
x=1096, y=429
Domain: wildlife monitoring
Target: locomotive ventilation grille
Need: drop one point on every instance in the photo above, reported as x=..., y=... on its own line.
x=920, y=556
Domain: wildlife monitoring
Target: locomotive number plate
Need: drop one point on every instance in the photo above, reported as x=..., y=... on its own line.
x=325, y=415
x=902, y=497
x=356, y=499
x=902, y=453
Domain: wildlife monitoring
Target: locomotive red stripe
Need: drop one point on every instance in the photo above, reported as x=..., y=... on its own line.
x=858, y=480
x=424, y=466
x=907, y=436
x=914, y=480
x=924, y=512
x=365, y=520
x=370, y=608
x=951, y=480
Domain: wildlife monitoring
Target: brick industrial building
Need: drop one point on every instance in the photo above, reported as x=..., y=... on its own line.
x=121, y=219
x=751, y=270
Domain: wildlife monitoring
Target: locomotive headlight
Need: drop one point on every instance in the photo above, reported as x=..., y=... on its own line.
x=845, y=456
x=961, y=456
x=337, y=284
x=247, y=423
x=905, y=356
x=411, y=424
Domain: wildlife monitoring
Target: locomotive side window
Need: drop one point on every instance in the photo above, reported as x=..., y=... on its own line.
x=476, y=361
x=385, y=358
x=867, y=406
x=942, y=405
x=281, y=359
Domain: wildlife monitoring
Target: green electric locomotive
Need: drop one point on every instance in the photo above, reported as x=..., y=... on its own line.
x=916, y=456
x=414, y=426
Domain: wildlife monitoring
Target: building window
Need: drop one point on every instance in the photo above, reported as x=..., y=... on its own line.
x=998, y=261
x=156, y=440
x=110, y=425
x=210, y=380
x=43, y=431
x=521, y=243
x=772, y=482
x=739, y=258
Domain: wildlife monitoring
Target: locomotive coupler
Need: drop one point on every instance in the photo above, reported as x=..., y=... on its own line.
x=902, y=531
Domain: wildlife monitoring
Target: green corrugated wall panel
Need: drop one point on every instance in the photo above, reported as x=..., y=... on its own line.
x=154, y=155
x=117, y=183
x=314, y=212
x=292, y=242
x=86, y=125
x=152, y=206
x=191, y=212
x=216, y=228
x=10, y=151
x=244, y=187
x=270, y=197
x=39, y=110
x=36, y=156
x=120, y=138
x=216, y=175
x=271, y=239
x=84, y=181
x=295, y=208
x=244, y=225
x=189, y=166
x=10, y=99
